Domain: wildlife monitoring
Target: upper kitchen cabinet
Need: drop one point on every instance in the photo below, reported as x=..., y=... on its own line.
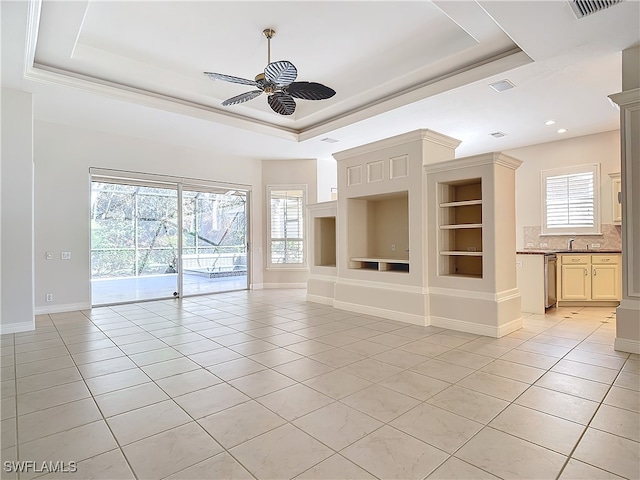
x=616, y=198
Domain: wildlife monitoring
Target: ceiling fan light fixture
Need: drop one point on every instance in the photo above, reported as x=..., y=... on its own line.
x=277, y=82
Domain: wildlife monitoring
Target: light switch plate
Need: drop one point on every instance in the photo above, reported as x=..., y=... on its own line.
x=65, y=255
x=48, y=255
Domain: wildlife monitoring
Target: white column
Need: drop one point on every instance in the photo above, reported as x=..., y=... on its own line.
x=628, y=313
x=16, y=299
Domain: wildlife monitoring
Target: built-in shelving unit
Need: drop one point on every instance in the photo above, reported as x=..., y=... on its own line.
x=380, y=264
x=460, y=224
x=378, y=232
x=324, y=241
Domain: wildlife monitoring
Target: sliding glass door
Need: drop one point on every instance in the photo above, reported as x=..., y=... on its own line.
x=154, y=241
x=214, y=241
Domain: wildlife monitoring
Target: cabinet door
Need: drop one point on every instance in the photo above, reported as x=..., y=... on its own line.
x=605, y=282
x=575, y=283
x=616, y=200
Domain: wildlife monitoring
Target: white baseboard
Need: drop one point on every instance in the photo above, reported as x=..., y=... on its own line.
x=320, y=299
x=476, y=328
x=284, y=285
x=381, y=312
x=68, y=307
x=256, y=286
x=626, y=345
x=17, y=327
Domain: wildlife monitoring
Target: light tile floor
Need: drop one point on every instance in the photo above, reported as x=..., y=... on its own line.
x=265, y=385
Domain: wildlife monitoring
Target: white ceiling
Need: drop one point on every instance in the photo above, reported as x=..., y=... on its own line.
x=136, y=68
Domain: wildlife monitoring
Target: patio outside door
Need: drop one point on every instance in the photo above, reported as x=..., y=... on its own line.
x=159, y=240
x=134, y=242
x=214, y=241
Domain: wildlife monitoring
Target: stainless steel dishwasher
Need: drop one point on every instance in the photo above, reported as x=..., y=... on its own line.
x=550, y=280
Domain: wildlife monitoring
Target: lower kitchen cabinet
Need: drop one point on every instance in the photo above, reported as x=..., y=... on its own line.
x=589, y=279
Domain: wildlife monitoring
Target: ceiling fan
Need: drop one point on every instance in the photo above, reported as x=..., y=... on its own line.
x=277, y=82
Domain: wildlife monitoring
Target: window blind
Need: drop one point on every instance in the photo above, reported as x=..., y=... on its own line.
x=570, y=201
x=286, y=226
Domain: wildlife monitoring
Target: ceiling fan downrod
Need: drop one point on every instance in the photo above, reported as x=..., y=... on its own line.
x=269, y=33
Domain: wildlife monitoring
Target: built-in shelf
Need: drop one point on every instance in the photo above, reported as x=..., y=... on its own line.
x=380, y=264
x=462, y=203
x=460, y=224
x=461, y=253
x=324, y=241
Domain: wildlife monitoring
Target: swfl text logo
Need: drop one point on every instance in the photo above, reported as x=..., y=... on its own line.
x=24, y=466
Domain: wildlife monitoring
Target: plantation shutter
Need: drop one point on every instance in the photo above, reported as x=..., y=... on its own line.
x=287, y=227
x=571, y=201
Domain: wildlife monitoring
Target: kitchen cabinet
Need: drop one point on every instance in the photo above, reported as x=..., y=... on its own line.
x=589, y=279
x=616, y=199
x=536, y=279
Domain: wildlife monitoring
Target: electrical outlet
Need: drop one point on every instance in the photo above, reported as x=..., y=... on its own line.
x=518, y=264
x=595, y=245
x=65, y=255
x=393, y=247
x=544, y=245
x=48, y=255
x=49, y=297
x=529, y=244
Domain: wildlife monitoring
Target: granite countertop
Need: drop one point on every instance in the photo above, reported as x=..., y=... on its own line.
x=564, y=252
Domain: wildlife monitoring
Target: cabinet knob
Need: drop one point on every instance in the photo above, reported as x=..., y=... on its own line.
x=585, y=272
x=594, y=272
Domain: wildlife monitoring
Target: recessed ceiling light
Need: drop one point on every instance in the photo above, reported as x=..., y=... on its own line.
x=562, y=130
x=498, y=134
x=329, y=140
x=549, y=122
x=502, y=85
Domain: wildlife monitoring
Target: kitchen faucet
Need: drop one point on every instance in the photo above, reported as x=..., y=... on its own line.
x=570, y=244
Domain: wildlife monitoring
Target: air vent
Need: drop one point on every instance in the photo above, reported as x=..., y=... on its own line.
x=329, y=140
x=502, y=85
x=583, y=8
x=498, y=134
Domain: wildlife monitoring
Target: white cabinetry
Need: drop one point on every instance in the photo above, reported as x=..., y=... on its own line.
x=616, y=198
x=588, y=279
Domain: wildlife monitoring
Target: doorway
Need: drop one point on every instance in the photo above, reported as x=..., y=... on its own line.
x=158, y=240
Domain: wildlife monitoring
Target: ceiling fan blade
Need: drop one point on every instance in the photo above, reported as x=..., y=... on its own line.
x=229, y=78
x=282, y=103
x=245, y=97
x=281, y=72
x=310, y=91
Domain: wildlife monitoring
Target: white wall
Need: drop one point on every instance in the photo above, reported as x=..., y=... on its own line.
x=16, y=311
x=63, y=156
x=602, y=148
x=327, y=178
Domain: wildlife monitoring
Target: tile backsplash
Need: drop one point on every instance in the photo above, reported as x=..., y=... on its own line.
x=610, y=239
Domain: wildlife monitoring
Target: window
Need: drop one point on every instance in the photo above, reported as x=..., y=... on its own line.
x=571, y=203
x=286, y=225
